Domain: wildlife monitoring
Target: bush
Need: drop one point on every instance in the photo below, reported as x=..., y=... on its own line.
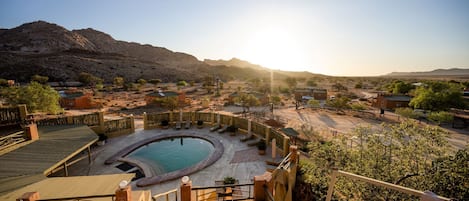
x=229, y=180
x=440, y=117
x=408, y=112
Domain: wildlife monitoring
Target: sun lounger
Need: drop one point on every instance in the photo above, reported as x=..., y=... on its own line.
x=247, y=137
x=214, y=128
x=178, y=125
x=254, y=143
x=222, y=129
x=188, y=124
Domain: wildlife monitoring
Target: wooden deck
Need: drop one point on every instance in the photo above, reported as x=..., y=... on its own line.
x=55, y=146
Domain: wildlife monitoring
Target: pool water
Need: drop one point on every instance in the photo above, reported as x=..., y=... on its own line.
x=173, y=154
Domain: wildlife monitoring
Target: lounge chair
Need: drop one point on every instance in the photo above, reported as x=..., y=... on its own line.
x=222, y=129
x=188, y=124
x=216, y=127
x=200, y=124
x=247, y=137
x=178, y=125
x=254, y=143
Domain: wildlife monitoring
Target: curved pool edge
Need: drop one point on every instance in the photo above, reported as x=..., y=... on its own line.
x=152, y=180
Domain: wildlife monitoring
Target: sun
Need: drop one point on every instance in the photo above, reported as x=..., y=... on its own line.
x=276, y=48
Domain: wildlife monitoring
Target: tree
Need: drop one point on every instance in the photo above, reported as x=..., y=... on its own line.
x=181, y=83
x=119, y=81
x=314, y=103
x=291, y=82
x=141, y=82
x=40, y=79
x=440, y=117
x=400, y=87
x=208, y=84
x=89, y=79
x=247, y=100
x=3, y=82
x=438, y=96
x=399, y=153
x=37, y=97
x=154, y=81
x=311, y=83
x=339, y=87
x=276, y=100
x=339, y=103
x=359, y=85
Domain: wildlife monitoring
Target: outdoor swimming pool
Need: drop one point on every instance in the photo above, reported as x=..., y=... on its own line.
x=173, y=154
x=166, y=157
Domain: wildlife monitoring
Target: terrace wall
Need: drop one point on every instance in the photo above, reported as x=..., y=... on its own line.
x=153, y=120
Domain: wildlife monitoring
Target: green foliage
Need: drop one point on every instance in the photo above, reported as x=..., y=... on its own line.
x=154, y=81
x=437, y=96
x=276, y=100
x=339, y=103
x=130, y=87
x=229, y=180
x=3, y=82
x=89, y=79
x=400, y=87
x=119, y=81
x=181, y=83
x=291, y=82
x=408, y=112
x=440, y=117
x=358, y=107
x=311, y=83
x=314, y=103
x=37, y=97
x=141, y=82
x=399, y=153
x=169, y=103
x=359, y=85
x=40, y=79
x=247, y=100
x=339, y=87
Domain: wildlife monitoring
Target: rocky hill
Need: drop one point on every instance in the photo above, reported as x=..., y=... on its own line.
x=48, y=49
x=234, y=62
x=453, y=72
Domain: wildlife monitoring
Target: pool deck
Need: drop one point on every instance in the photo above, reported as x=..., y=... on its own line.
x=238, y=160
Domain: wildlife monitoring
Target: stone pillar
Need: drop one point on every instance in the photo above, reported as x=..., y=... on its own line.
x=29, y=196
x=145, y=121
x=31, y=132
x=124, y=194
x=260, y=182
x=132, y=123
x=249, y=127
x=267, y=134
x=212, y=118
x=23, y=112
x=185, y=190
x=286, y=142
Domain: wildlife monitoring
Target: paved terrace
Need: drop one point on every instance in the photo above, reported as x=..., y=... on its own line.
x=238, y=160
x=54, y=147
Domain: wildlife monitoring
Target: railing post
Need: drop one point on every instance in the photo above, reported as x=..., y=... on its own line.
x=145, y=121
x=259, y=183
x=23, y=112
x=331, y=184
x=132, y=123
x=101, y=121
x=286, y=145
x=267, y=134
x=249, y=127
x=31, y=132
x=186, y=188
x=212, y=118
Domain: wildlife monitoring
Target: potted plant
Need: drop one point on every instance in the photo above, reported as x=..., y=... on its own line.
x=200, y=124
x=261, y=146
x=229, y=180
x=165, y=124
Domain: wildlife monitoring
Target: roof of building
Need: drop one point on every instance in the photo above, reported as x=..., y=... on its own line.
x=398, y=98
x=71, y=95
x=56, y=144
x=164, y=94
x=290, y=131
x=72, y=187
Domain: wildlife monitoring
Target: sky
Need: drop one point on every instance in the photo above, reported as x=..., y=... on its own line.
x=332, y=37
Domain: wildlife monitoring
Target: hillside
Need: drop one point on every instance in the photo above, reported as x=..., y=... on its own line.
x=51, y=50
x=234, y=62
x=453, y=72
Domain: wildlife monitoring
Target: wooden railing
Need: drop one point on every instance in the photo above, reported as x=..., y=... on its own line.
x=245, y=190
x=110, y=196
x=375, y=182
x=11, y=140
x=167, y=195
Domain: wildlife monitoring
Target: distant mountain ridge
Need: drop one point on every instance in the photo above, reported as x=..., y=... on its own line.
x=438, y=73
x=48, y=49
x=234, y=62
